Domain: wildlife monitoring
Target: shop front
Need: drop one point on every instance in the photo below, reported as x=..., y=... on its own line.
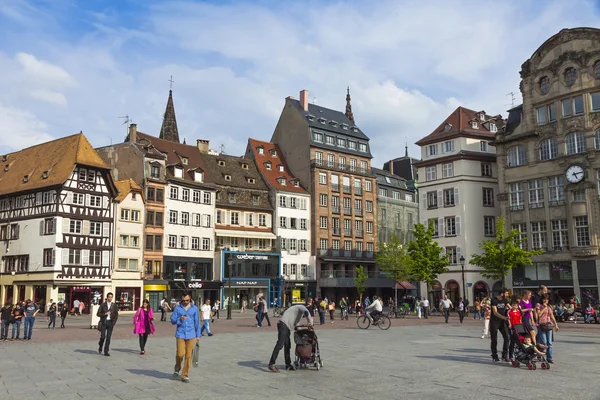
x=249, y=290
x=155, y=292
x=297, y=292
x=87, y=295
x=200, y=291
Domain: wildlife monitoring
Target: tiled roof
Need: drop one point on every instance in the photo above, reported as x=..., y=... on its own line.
x=272, y=175
x=125, y=187
x=47, y=164
x=459, y=124
x=394, y=180
x=233, y=168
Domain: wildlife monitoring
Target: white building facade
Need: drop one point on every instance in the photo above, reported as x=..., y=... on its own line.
x=458, y=185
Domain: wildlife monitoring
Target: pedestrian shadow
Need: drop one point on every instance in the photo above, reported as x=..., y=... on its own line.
x=131, y=351
x=255, y=364
x=558, y=339
x=459, y=336
x=152, y=373
x=472, y=351
x=468, y=360
x=85, y=351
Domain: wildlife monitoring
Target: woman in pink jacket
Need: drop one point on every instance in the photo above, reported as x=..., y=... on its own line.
x=143, y=324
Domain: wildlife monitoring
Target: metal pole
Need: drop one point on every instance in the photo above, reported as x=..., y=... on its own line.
x=463, y=281
x=503, y=275
x=229, y=288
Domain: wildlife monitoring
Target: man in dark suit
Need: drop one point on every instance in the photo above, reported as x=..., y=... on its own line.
x=108, y=314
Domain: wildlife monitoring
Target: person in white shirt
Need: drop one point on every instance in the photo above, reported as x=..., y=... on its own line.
x=206, y=316
x=76, y=306
x=445, y=305
x=375, y=309
x=426, y=308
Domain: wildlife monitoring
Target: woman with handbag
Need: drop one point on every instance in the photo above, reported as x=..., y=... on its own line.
x=547, y=323
x=143, y=324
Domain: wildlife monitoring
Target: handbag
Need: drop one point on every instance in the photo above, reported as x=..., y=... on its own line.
x=546, y=326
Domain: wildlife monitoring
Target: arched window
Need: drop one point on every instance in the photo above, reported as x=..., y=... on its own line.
x=597, y=69
x=544, y=84
x=516, y=156
x=597, y=139
x=548, y=149
x=575, y=143
x=570, y=76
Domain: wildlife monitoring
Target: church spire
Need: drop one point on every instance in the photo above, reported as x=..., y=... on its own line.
x=169, y=131
x=349, y=106
x=406, y=150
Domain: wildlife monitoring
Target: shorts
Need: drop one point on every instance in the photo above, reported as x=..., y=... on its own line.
x=528, y=325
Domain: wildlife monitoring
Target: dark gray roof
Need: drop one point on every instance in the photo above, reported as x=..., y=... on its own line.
x=514, y=118
x=392, y=181
x=403, y=167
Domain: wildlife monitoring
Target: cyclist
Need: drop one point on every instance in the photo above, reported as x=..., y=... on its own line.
x=375, y=309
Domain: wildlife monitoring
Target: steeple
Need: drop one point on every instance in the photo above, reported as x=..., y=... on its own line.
x=349, y=106
x=169, y=131
x=406, y=150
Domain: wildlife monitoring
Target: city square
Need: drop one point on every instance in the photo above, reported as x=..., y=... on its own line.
x=414, y=359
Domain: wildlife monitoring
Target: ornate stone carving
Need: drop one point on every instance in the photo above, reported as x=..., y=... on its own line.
x=502, y=197
x=573, y=123
x=537, y=214
x=584, y=251
x=546, y=130
x=595, y=119
x=557, y=212
x=577, y=57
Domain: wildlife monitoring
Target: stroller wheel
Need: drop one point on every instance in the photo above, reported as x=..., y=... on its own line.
x=529, y=366
x=318, y=363
x=543, y=365
x=534, y=367
x=515, y=364
x=547, y=365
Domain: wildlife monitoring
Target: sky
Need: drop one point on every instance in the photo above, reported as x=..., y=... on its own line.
x=68, y=66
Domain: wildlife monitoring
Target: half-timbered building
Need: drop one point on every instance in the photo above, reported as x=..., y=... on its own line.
x=56, y=222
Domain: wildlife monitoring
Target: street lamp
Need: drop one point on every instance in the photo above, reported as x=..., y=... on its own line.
x=230, y=261
x=462, y=266
x=501, y=246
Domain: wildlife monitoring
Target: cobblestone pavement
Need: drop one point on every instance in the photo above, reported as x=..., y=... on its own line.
x=412, y=360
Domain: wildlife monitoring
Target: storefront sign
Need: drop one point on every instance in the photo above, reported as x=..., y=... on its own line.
x=195, y=285
x=251, y=257
x=247, y=283
x=155, y=288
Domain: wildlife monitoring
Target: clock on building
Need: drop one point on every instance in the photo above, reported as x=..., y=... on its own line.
x=575, y=173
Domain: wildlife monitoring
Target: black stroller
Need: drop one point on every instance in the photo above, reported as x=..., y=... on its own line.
x=527, y=356
x=307, y=348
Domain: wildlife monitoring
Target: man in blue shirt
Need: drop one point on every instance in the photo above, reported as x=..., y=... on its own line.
x=187, y=319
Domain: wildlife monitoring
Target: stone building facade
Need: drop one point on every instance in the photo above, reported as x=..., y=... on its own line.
x=549, y=164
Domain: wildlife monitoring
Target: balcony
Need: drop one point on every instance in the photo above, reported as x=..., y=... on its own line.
x=347, y=189
x=358, y=191
x=336, y=231
x=340, y=167
x=308, y=276
x=335, y=209
x=342, y=253
x=345, y=278
x=358, y=212
x=335, y=187
x=347, y=211
x=358, y=233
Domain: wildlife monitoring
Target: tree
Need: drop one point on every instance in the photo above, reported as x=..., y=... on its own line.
x=502, y=254
x=426, y=259
x=393, y=260
x=360, y=281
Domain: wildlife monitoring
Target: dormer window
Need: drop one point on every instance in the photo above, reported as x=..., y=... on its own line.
x=4, y=158
x=493, y=128
x=184, y=160
x=447, y=127
x=341, y=142
x=354, y=129
x=244, y=166
x=82, y=174
x=273, y=153
x=329, y=140
x=198, y=176
x=296, y=183
x=26, y=179
x=310, y=117
x=251, y=180
x=333, y=123
x=178, y=172
x=227, y=177
x=232, y=197
x=268, y=166
x=260, y=150
x=281, y=168
x=322, y=120
x=474, y=125
x=221, y=163
x=282, y=181
x=345, y=126
x=481, y=116
x=6, y=168
x=45, y=175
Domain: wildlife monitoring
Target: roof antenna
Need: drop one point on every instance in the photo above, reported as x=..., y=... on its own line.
x=222, y=149
x=126, y=122
x=512, y=98
x=314, y=100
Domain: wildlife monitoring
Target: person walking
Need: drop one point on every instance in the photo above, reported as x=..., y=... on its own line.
x=265, y=311
x=31, y=310
x=445, y=305
x=418, y=306
x=244, y=305
x=287, y=323
x=331, y=306
x=76, y=305
x=47, y=307
x=5, y=313
x=258, y=308
x=499, y=322
x=143, y=325
x=164, y=308
x=477, y=312
x=487, y=313
x=217, y=307
x=64, y=311
x=343, y=307
x=52, y=311
x=187, y=319
x=425, y=305
x=206, y=314
x=321, y=307
x=547, y=324
x=461, y=310
x=17, y=317
x=108, y=314
x=527, y=311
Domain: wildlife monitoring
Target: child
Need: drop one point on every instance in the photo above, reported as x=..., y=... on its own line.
x=514, y=318
x=529, y=347
x=487, y=314
x=589, y=314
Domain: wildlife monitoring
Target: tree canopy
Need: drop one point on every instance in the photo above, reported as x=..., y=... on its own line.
x=360, y=281
x=426, y=259
x=393, y=260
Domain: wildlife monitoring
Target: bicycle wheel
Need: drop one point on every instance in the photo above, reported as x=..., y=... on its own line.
x=363, y=322
x=391, y=314
x=384, y=323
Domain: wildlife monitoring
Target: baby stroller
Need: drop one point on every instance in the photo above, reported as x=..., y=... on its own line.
x=524, y=355
x=307, y=348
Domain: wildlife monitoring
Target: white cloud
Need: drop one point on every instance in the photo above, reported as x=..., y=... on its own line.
x=43, y=72
x=20, y=129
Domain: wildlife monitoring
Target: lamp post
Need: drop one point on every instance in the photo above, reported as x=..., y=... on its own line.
x=462, y=266
x=230, y=261
x=501, y=246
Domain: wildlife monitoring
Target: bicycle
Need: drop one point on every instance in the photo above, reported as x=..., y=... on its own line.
x=365, y=321
x=434, y=311
x=401, y=311
x=344, y=314
x=278, y=311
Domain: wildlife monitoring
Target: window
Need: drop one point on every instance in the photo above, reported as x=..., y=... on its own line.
x=74, y=257
x=75, y=226
x=430, y=173
x=575, y=143
x=522, y=238
x=369, y=203
x=597, y=69
x=262, y=220
x=383, y=192
x=538, y=235
x=556, y=189
x=195, y=243
x=432, y=200
x=347, y=245
x=95, y=228
x=369, y=226
x=205, y=244
x=336, y=244
x=516, y=156
x=353, y=164
x=318, y=137
x=95, y=201
x=541, y=115
x=196, y=196
x=493, y=128
x=158, y=219
x=579, y=195
x=548, y=149
x=447, y=170
x=341, y=142
x=303, y=245
x=370, y=247
x=516, y=195
x=329, y=140
x=362, y=147
x=124, y=240
x=452, y=254
x=124, y=214
x=323, y=200
x=432, y=150
x=82, y=175
x=283, y=222
x=232, y=197
x=450, y=226
x=536, y=193
x=572, y=106
x=178, y=172
x=183, y=242
x=323, y=244
x=342, y=162
x=322, y=178
x=570, y=76
x=323, y=222
x=488, y=197
x=185, y=218
x=155, y=171
x=450, y=197
x=436, y=226
x=486, y=169
x=206, y=198
x=159, y=195
x=174, y=192
x=135, y=215
x=78, y=199
x=560, y=234
x=282, y=201
x=544, y=85
x=48, y=227
x=330, y=160
x=474, y=125
x=595, y=97
x=364, y=167
x=448, y=147
x=172, y=217
x=235, y=218
x=551, y=112
x=303, y=223
x=483, y=145
x=351, y=145
x=489, y=226
x=368, y=186
x=582, y=233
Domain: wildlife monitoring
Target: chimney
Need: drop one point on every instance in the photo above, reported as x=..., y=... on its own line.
x=133, y=133
x=391, y=167
x=203, y=145
x=304, y=99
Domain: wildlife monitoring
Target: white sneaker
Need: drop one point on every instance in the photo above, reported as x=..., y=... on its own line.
x=483, y=336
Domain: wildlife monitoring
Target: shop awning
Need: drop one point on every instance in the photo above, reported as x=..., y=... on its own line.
x=155, y=288
x=244, y=234
x=405, y=285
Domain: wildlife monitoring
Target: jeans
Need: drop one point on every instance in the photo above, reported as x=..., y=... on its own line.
x=477, y=314
x=266, y=315
x=163, y=314
x=545, y=338
x=16, y=327
x=322, y=317
x=446, y=312
x=503, y=328
x=62, y=321
x=461, y=316
x=486, y=328
x=52, y=321
x=283, y=342
x=105, y=335
x=185, y=349
x=259, y=318
x=4, y=329
x=426, y=312
x=28, y=327
x=205, y=327
x=143, y=340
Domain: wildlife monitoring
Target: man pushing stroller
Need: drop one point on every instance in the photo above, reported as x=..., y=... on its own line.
x=288, y=321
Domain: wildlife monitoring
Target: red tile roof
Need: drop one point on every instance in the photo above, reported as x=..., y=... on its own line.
x=272, y=175
x=460, y=125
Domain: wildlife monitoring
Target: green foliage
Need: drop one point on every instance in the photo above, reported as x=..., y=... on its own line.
x=393, y=260
x=491, y=260
x=425, y=255
x=360, y=281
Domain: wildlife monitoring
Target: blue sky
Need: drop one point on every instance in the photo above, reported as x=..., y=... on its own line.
x=69, y=66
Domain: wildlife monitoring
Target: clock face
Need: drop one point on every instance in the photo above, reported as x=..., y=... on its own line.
x=575, y=173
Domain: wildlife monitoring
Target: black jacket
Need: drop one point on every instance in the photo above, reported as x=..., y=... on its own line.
x=114, y=312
